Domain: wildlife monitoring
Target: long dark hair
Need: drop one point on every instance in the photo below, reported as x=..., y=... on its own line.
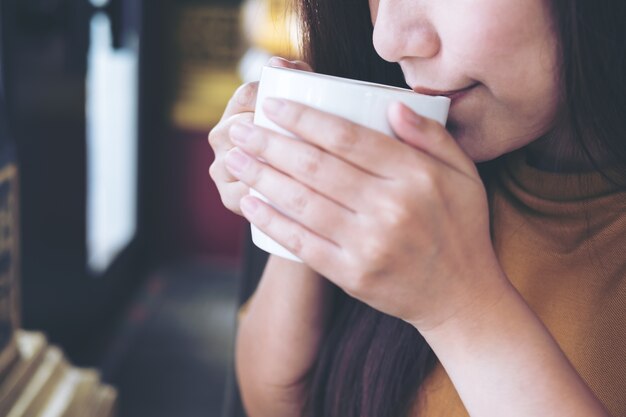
x=372, y=364
x=592, y=36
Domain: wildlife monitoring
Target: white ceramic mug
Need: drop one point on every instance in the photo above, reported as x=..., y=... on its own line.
x=358, y=101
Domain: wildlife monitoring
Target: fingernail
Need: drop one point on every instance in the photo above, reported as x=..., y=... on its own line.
x=240, y=132
x=249, y=205
x=273, y=105
x=277, y=61
x=237, y=160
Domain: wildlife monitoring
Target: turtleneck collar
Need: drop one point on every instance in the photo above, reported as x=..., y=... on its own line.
x=553, y=186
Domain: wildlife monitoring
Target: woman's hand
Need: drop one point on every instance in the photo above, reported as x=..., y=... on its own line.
x=400, y=225
x=404, y=227
x=240, y=108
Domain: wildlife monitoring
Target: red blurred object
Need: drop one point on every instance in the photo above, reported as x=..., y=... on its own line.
x=200, y=226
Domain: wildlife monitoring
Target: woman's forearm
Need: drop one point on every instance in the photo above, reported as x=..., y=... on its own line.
x=279, y=337
x=504, y=362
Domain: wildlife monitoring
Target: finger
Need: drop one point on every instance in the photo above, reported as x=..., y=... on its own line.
x=283, y=63
x=219, y=174
x=308, y=164
x=219, y=138
x=429, y=137
x=366, y=148
x=243, y=100
x=319, y=253
x=231, y=195
x=230, y=189
x=297, y=201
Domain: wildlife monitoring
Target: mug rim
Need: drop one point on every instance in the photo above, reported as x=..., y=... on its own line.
x=362, y=83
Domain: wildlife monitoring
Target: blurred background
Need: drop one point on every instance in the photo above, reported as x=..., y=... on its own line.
x=114, y=242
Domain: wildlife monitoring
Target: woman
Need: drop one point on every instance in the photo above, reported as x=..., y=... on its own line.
x=490, y=291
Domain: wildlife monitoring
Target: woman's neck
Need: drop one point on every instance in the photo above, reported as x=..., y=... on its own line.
x=558, y=153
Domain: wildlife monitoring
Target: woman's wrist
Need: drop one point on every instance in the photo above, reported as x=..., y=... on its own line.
x=502, y=360
x=289, y=266
x=289, y=288
x=474, y=309
x=467, y=298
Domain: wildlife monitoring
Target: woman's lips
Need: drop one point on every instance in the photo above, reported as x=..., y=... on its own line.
x=454, y=95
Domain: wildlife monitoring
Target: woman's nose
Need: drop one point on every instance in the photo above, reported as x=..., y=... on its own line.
x=402, y=30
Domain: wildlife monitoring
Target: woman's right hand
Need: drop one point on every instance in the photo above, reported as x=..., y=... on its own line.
x=240, y=108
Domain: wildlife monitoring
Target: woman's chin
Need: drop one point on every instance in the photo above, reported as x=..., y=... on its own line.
x=473, y=144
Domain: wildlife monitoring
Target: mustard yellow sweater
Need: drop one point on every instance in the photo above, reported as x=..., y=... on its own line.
x=561, y=239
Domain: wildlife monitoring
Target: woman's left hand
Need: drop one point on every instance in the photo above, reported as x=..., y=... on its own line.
x=402, y=225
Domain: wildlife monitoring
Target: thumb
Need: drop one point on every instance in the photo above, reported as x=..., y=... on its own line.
x=428, y=136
